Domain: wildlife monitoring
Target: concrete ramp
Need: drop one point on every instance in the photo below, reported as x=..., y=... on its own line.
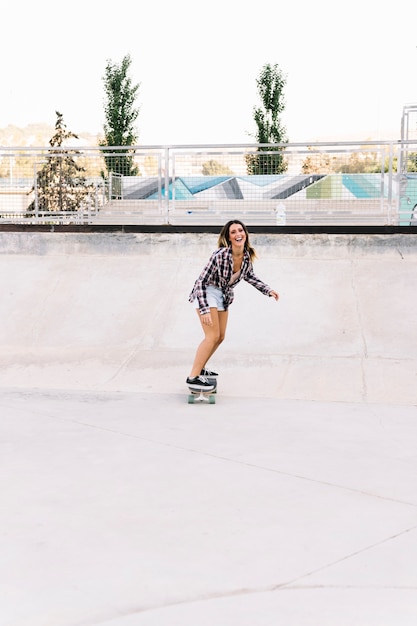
x=125, y=506
x=110, y=311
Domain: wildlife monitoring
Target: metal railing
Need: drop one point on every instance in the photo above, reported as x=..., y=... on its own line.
x=319, y=183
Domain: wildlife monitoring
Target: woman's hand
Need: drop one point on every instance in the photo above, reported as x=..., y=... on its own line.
x=274, y=294
x=206, y=319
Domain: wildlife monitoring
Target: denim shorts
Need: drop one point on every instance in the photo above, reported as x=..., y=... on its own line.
x=214, y=298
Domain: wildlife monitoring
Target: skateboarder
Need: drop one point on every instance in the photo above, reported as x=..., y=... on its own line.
x=212, y=295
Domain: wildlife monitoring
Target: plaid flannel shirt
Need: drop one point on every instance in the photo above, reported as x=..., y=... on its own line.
x=218, y=273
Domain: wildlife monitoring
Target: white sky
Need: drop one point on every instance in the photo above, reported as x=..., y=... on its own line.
x=351, y=66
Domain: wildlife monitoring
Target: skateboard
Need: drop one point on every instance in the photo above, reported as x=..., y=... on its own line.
x=195, y=396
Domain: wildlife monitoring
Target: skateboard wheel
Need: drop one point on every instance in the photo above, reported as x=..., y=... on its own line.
x=212, y=399
x=191, y=399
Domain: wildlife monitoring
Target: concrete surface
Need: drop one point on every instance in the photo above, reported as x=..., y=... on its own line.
x=292, y=500
x=111, y=312
x=137, y=509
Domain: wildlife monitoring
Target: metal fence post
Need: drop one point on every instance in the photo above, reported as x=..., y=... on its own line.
x=166, y=186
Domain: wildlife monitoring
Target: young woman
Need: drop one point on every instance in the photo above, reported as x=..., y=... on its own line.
x=213, y=293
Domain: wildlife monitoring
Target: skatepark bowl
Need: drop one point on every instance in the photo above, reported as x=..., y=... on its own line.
x=291, y=500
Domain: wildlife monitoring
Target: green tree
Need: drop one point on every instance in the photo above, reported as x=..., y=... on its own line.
x=61, y=184
x=412, y=162
x=120, y=115
x=270, y=130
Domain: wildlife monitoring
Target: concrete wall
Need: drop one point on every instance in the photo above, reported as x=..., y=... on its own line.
x=110, y=311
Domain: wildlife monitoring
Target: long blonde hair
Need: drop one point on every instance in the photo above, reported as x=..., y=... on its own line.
x=224, y=238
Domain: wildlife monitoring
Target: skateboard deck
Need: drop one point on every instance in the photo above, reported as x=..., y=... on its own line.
x=195, y=396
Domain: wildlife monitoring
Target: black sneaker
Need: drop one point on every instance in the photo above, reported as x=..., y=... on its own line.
x=205, y=372
x=199, y=383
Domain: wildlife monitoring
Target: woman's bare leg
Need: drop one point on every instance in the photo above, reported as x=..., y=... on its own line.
x=213, y=336
x=223, y=316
